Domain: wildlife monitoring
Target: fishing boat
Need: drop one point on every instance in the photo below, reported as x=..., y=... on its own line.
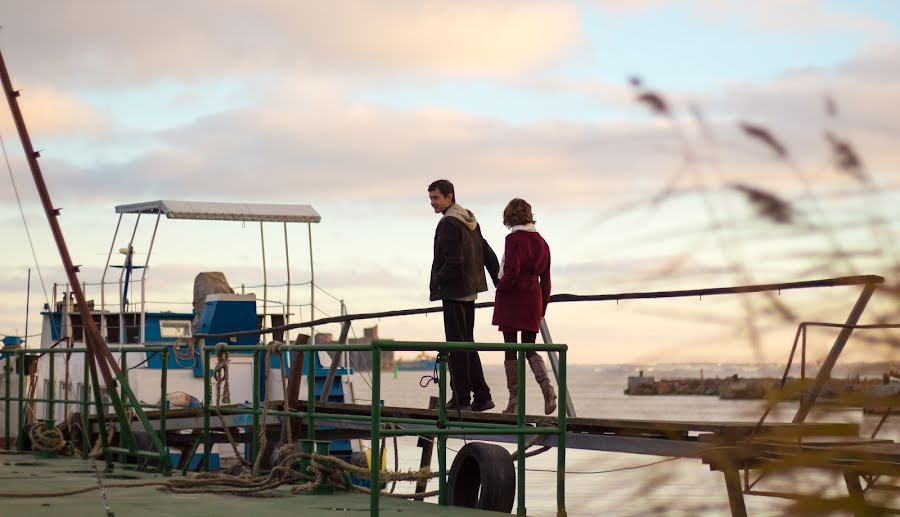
x=421, y=362
x=125, y=319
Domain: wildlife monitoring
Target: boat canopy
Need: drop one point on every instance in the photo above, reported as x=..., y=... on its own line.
x=211, y=211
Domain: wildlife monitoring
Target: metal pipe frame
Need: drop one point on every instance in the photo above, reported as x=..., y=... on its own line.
x=122, y=307
x=51, y=400
x=442, y=428
x=559, y=298
x=144, y=280
x=809, y=398
x=312, y=287
x=112, y=246
x=265, y=300
x=554, y=364
x=287, y=262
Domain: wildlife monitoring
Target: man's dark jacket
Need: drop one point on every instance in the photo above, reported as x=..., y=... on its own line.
x=460, y=257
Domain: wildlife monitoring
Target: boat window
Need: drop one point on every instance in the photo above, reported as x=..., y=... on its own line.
x=174, y=328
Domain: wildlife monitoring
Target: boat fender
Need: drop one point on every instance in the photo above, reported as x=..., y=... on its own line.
x=482, y=476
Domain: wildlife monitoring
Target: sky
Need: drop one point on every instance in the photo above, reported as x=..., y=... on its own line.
x=354, y=107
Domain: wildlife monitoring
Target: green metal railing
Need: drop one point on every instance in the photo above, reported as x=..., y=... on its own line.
x=14, y=364
x=443, y=427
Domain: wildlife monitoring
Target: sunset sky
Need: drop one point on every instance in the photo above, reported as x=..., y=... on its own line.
x=356, y=106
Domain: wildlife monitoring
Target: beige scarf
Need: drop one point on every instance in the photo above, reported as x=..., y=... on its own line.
x=463, y=215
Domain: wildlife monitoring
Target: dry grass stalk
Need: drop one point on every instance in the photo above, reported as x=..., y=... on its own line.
x=655, y=102
x=767, y=205
x=845, y=156
x=651, y=99
x=765, y=136
x=830, y=106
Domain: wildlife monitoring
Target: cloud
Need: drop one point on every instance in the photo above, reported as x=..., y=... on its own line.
x=767, y=15
x=314, y=137
x=52, y=112
x=144, y=42
x=327, y=145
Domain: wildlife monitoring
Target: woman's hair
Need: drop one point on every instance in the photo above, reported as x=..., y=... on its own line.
x=517, y=212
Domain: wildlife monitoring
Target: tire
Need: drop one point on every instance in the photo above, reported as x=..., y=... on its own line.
x=482, y=476
x=25, y=433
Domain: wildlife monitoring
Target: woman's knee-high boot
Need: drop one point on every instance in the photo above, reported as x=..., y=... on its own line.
x=512, y=384
x=540, y=375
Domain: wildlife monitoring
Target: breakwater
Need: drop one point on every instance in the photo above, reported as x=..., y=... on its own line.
x=738, y=388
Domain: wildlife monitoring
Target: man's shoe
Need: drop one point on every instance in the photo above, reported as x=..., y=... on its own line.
x=483, y=406
x=452, y=405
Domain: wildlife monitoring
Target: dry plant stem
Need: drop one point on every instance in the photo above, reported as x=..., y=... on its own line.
x=731, y=256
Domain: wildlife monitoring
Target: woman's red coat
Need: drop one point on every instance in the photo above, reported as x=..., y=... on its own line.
x=524, y=289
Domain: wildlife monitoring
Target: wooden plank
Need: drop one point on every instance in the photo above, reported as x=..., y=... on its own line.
x=602, y=425
x=720, y=432
x=735, y=492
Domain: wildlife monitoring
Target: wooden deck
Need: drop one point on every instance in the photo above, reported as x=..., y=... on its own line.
x=729, y=447
x=23, y=473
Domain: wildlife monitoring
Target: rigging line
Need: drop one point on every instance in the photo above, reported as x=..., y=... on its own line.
x=24, y=221
x=144, y=361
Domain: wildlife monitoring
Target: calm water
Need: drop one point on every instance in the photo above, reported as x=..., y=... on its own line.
x=680, y=487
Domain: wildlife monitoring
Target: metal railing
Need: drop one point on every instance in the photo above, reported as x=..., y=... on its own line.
x=441, y=427
x=14, y=364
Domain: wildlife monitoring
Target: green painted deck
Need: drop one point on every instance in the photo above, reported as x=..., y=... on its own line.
x=21, y=473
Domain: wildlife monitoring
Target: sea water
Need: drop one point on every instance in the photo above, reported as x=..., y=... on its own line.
x=678, y=487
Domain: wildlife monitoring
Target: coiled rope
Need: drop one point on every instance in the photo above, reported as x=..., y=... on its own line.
x=190, y=354
x=321, y=468
x=49, y=440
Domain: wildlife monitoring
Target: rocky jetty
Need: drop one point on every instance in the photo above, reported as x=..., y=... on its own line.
x=737, y=388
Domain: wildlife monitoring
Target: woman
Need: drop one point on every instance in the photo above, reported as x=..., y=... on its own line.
x=522, y=296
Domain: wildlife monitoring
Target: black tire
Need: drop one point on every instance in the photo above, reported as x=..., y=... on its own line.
x=25, y=433
x=487, y=467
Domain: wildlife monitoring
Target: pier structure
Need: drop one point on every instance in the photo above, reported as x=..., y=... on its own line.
x=737, y=449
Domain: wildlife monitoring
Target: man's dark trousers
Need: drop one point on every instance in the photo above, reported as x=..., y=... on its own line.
x=466, y=373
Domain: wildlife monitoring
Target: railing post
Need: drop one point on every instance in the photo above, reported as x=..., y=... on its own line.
x=554, y=364
x=163, y=407
x=561, y=440
x=7, y=373
x=803, y=354
x=20, y=356
x=809, y=397
x=86, y=410
x=442, y=423
x=311, y=393
x=207, y=397
x=51, y=391
x=123, y=366
x=255, y=438
x=520, y=438
x=375, y=466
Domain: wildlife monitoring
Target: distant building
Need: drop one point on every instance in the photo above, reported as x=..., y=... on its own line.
x=361, y=360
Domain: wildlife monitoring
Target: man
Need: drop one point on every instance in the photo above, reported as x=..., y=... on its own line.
x=457, y=276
